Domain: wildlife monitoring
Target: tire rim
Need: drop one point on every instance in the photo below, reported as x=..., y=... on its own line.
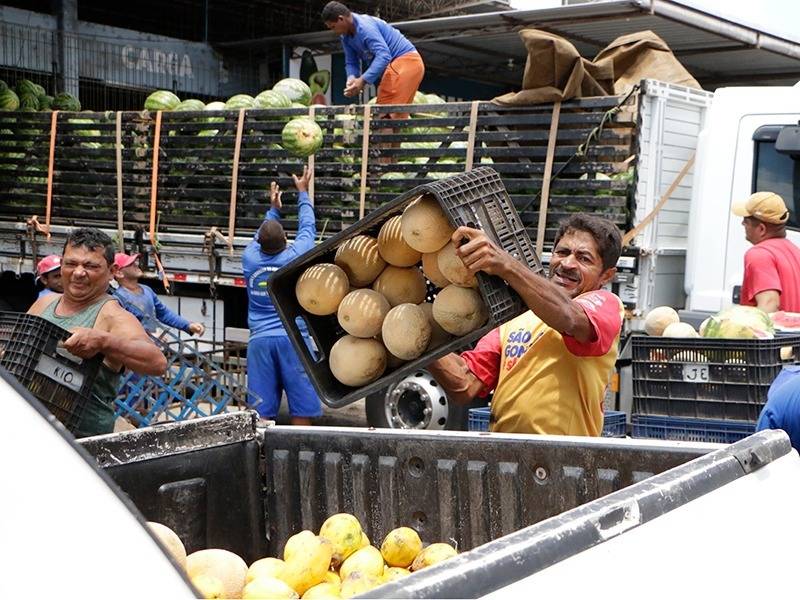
x=417, y=402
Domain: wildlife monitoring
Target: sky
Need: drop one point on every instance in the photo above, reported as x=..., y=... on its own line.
x=778, y=17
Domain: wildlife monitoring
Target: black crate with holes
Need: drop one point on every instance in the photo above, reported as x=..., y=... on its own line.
x=707, y=378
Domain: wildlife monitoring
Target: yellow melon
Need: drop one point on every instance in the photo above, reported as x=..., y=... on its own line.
x=361, y=313
x=323, y=591
x=394, y=573
x=425, y=226
x=267, y=588
x=438, y=335
x=433, y=554
x=401, y=546
x=430, y=267
x=209, y=586
x=364, y=560
x=406, y=331
x=459, y=310
x=358, y=583
x=226, y=566
x=344, y=533
x=265, y=567
x=321, y=287
x=400, y=285
x=170, y=540
x=393, y=248
x=453, y=268
x=357, y=361
x=360, y=259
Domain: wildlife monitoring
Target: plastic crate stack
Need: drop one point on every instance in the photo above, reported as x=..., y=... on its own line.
x=704, y=390
x=613, y=421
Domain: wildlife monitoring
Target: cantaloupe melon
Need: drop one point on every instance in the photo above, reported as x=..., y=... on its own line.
x=393, y=248
x=430, y=267
x=400, y=285
x=321, y=287
x=459, y=310
x=453, y=268
x=357, y=361
x=438, y=335
x=657, y=319
x=170, y=540
x=425, y=226
x=360, y=259
x=361, y=313
x=226, y=566
x=680, y=330
x=406, y=331
x=392, y=361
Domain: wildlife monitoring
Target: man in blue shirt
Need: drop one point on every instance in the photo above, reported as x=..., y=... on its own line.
x=272, y=363
x=391, y=57
x=142, y=301
x=48, y=270
x=782, y=410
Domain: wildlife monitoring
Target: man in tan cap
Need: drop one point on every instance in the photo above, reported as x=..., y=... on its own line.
x=772, y=266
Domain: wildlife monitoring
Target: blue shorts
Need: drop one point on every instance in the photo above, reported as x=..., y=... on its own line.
x=273, y=366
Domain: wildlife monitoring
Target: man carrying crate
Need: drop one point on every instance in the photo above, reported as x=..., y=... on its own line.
x=549, y=367
x=272, y=363
x=99, y=325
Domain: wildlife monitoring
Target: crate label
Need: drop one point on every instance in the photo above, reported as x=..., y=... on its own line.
x=60, y=373
x=695, y=373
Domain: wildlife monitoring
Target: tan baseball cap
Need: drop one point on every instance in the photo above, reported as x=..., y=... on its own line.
x=764, y=206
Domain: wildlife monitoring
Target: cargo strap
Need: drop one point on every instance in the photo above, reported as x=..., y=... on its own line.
x=311, y=162
x=50, y=163
x=364, y=156
x=237, y=150
x=154, y=203
x=473, y=122
x=628, y=237
x=120, y=232
x=548, y=171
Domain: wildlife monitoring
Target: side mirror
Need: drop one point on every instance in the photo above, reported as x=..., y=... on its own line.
x=788, y=141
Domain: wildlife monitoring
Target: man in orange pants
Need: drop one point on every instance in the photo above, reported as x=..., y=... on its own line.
x=392, y=58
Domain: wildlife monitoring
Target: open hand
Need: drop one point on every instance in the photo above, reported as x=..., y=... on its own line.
x=479, y=253
x=85, y=342
x=354, y=87
x=301, y=183
x=275, y=196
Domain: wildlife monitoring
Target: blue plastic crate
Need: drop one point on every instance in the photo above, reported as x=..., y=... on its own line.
x=690, y=430
x=613, y=421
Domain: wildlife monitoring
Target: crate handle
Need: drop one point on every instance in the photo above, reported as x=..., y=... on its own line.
x=313, y=335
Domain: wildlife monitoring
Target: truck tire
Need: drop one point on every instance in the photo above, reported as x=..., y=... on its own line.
x=416, y=402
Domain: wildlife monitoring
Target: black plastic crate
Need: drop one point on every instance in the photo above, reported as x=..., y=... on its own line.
x=30, y=351
x=477, y=199
x=707, y=378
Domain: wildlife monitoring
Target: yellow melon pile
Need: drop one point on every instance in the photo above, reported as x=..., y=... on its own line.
x=338, y=562
x=377, y=288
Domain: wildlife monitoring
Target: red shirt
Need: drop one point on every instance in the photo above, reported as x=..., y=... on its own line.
x=773, y=264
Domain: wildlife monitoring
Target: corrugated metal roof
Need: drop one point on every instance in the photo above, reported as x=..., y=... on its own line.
x=715, y=50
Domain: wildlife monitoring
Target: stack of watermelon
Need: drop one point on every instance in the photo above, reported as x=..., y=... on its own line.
x=28, y=96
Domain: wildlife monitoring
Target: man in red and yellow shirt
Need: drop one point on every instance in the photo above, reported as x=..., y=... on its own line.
x=549, y=367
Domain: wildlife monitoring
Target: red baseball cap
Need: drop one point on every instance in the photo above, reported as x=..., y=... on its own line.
x=48, y=264
x=124, y=260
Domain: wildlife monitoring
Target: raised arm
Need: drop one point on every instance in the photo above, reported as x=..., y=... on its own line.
x=306, y=221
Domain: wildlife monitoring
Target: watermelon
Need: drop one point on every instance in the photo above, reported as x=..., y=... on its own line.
x=298, y=105
x=3, y=86
x=240, y=101
x=419, y=98
x=190, y=105
x=9, y=100
x=296, y=90
x=272, y=99
x=740, y=322
x=786, y=321
x=28, y=102
x=39, y=90
x=65, y=101
x=86, y=132
x=301, y=137
x=27, y=87
x=213, y=106
x=161, y=100
x=46, y=103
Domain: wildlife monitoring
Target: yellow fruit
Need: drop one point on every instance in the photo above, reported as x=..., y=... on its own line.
x=406, y=331
x=438, y=335
x=357, y=361
x=321, y=287
x=430, y=267
x=435, y=553
x=400, y=285
x=393, y=573
x=321, y=591
x=401, y=546
x=367, y=560
x=361, y=313
x=265, y=567
x=266, y=588
x=170, y=540
x=208, y=586
x=333, y=578
x=459, y=310
x=358, y=583
x=393, y=248
x=364, y=540
x=453, y=268
x=425, y=226
x=360, y=259
x=307, y=558
x=343, y=531
x=226, y=566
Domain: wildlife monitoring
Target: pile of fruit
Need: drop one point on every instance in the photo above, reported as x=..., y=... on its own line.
x=737, y=322
x=377, y=288
x=31, y=97
x=339, y=562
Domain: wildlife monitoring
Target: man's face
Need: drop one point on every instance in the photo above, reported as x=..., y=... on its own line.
x=576, y=264
x=132, y=272
x=85, y=273
x=340, y=26
x=52, y=281
x=753, y=229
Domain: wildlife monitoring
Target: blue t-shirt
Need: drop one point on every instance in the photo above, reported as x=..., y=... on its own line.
x=45, y=292
x=149, y=309
x=258, y=266
x=376, y=43
x=782, y=410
